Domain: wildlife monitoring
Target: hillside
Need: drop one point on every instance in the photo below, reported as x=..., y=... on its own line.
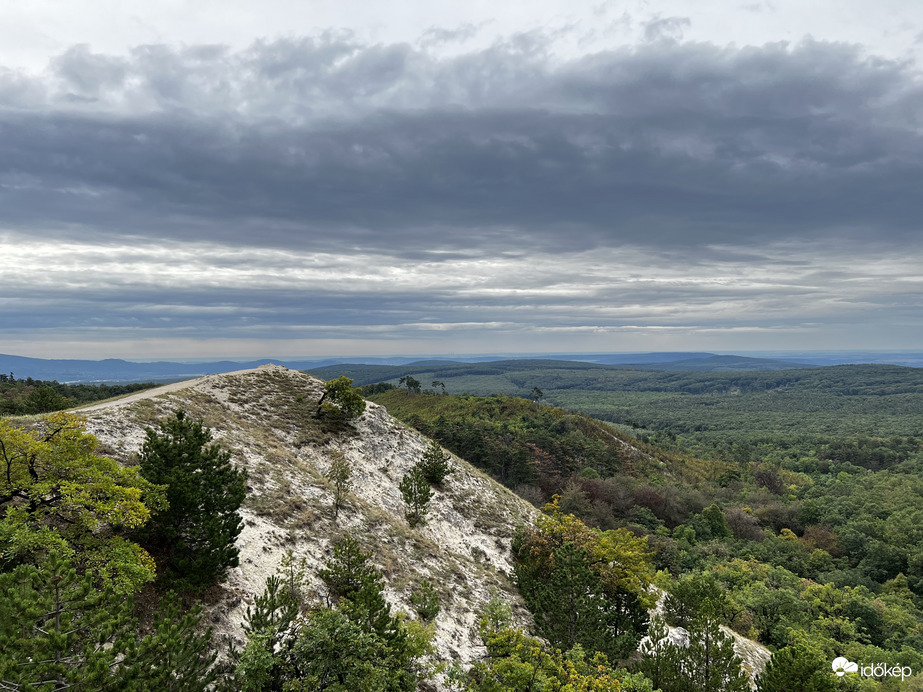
x=264, y=417
x=704, y=413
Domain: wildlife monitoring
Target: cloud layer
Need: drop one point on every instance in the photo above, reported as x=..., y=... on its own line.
x=324, y=187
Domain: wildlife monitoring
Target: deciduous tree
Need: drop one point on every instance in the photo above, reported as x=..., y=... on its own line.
x=57, y=495
x=516, y=661
x=584, y=586
x=339, y=394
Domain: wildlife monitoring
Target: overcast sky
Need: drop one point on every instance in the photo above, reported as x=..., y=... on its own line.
x=319, y=178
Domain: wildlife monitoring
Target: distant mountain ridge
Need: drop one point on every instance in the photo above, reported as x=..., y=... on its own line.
x=118, y=370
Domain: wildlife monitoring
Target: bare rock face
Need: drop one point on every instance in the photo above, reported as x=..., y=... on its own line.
x=753, y=655
x=265, y=417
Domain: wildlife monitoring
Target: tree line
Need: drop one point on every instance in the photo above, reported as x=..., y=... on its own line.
x=28, y=396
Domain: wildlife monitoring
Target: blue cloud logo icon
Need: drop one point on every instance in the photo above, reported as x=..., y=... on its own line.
x=842, y=665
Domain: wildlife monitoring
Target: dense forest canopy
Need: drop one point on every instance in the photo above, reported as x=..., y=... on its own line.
x=810, y=543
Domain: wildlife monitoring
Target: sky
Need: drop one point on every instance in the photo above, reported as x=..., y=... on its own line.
x=298, y=179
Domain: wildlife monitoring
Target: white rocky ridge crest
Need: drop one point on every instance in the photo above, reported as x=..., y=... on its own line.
x=265, y=418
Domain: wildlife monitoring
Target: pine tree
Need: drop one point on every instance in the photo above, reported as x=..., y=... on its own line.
x=197, y=533
x=425, y=600
x=354, y=643
x=435, y=464
x=416, y=493
x=797, y=667
x=50, y=623
x=707, y=663
x=661, y=659
x=340, y=474
x=177, y=656
x=351, y=577
x=59, y=632
x=712, y=663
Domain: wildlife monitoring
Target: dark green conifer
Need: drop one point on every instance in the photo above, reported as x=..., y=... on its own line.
x=707, y=663
x=416, y=493
x=59, y=632
x=196, y=535
x=435, y=464
x=799, y=668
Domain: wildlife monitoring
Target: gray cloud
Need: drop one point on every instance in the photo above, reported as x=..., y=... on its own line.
x=322, y=188
x=383, y=145
x=666, y=28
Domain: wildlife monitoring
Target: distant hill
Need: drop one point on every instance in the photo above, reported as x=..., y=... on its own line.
x=118, y=370
x=710, y=363
x=427, y=371
x=375, y=369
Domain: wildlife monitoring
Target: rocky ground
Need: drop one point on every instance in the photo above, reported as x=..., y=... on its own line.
x=265, y=417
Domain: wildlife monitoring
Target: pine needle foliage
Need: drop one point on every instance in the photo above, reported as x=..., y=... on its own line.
x=435, y=464
x=707, y=662
x=59, y=632
x=197, y=533
x=416, y=493
x=340, y=475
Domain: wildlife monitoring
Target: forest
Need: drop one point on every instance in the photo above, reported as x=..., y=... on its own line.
x=28, y=396
x=810, y=542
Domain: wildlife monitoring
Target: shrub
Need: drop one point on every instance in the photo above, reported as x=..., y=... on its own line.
x=435, y=464
x=416, y=493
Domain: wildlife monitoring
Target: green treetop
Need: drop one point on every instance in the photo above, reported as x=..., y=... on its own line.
x=197, y=533
x=56, y=495
x=584, y=586
x=339, y=394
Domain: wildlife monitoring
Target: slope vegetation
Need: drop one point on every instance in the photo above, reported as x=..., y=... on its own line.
x=265, y=418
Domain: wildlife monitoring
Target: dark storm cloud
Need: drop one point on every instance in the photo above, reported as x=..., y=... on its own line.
x=326, y=143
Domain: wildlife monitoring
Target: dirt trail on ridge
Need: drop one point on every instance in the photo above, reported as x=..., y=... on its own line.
x=165, y=389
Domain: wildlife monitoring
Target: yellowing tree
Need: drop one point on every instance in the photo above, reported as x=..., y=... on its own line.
x=516, y=661
x=57, y=495
x=584, y=586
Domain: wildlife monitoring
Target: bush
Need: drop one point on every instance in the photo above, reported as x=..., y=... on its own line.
x=416, y=493
x=435, y=464
x=425, y=601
